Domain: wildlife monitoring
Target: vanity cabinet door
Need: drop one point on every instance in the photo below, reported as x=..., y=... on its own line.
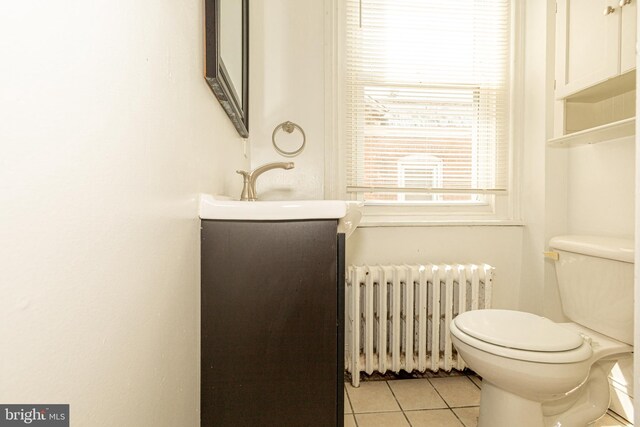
x=271, y=351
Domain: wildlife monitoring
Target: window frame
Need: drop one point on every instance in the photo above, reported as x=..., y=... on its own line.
x=501, y=208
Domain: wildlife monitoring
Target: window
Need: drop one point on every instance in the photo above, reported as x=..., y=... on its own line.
x=426, y=93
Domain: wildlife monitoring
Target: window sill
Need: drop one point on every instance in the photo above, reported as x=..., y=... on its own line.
x=495, y=214
x=406, y=222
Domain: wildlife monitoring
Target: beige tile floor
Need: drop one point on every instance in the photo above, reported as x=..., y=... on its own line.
x=436, y=402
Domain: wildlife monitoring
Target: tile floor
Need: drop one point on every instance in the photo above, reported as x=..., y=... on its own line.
x=436, y=402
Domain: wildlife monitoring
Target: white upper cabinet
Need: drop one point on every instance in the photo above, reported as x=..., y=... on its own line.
x=595, y=42
x=628, y=35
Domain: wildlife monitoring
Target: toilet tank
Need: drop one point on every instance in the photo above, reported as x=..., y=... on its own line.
x=595, y=279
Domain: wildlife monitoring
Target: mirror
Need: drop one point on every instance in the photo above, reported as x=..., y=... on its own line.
x=227, y=57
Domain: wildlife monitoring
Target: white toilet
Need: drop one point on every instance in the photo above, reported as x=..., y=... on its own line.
x=540, y=373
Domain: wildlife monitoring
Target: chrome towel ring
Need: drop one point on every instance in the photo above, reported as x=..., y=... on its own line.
x=288, y=127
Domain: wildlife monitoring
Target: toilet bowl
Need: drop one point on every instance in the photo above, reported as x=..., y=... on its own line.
x=540, y=373
x=523, y=373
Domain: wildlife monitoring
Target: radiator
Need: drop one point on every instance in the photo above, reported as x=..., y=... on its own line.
x=398, y=316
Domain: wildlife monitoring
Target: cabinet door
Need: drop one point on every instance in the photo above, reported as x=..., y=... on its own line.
x=271, y=308
x=628, y=37
x=588, y=49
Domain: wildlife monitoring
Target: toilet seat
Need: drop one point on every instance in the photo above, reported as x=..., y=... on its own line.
x=518, y=330
x=520, y=336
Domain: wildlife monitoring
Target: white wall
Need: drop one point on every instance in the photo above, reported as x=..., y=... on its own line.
x=532, y=129
x=636, y=311
x=636, y=322
x=419, y=245
x=287, y=84
x=556, y=223
x=108, y=133
x=601, y=188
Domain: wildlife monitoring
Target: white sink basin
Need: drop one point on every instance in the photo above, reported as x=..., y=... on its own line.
x=348, y=213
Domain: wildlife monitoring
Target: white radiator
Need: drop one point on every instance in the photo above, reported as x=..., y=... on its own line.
x=397, y=319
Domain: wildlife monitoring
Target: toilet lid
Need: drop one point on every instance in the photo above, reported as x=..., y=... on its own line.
x=517, y=330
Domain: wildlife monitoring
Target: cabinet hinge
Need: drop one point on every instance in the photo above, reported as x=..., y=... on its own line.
x=554, y=85
x=556, y=8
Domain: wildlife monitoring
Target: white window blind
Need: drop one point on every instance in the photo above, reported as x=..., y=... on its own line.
x=427, y=99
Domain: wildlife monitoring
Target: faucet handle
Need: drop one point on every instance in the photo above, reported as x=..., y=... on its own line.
x=246, y=186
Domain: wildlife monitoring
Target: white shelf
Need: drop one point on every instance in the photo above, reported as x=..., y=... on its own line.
x=608, y=132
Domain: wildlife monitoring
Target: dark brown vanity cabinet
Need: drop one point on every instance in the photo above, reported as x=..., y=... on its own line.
x=272, y=323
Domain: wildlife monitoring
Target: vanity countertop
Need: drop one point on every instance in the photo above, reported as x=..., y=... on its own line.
x=348, y=213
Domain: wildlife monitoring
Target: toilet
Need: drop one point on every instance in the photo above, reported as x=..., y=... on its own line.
x=537, y=372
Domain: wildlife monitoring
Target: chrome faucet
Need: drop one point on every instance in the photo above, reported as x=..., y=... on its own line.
x=249, y=189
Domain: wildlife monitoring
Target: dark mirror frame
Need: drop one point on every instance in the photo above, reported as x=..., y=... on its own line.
x=215, y=72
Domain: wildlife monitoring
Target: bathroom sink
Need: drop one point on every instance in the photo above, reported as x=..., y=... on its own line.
x=348, y=213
